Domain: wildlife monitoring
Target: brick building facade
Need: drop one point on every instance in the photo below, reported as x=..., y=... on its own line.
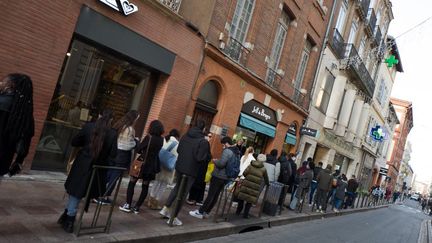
x=151, y=59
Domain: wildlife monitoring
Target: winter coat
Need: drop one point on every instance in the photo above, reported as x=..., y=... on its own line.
x=316, y=172
x=292, y=180
x=192, y=150
x=79, y=176
x=250, y=188
x=285, y=171
x=152, y=164
x=245, y=162
x=340, y=190
x=305, y=180
x=324, y=180
x=166, y=175
x=352, y=185
x=273, y=168
x=220, y=164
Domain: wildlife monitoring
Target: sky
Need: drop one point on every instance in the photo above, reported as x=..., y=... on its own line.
x=414, y=84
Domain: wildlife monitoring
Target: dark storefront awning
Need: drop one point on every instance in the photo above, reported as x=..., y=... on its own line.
x=257, y=125
x=290, y=139
x=103, y=30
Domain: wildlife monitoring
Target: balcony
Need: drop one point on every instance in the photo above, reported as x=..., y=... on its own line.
x=371, y=22
x=362, y=8
x=273, y=79
x=236, y=51
x=338, y=44
x=378, y=36
x=359, y=70
x=173, y=5
x=295, y=95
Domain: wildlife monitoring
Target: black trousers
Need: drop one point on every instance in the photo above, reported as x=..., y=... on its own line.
x=216, y=186
x=173, y=195
x=240, y=208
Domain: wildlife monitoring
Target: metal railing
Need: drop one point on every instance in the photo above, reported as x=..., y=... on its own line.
x=338, y=44
x=362, y=7
x=295, y=95
x=236, y=51
x=378, y=36
x=173, y=5
x=372, y=19
x=273, y=79
x=359, y=70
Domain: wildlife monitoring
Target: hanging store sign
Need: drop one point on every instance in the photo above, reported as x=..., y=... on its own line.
x=383, y=171
x=377, y=133
x=260, y=112
x=123, y=6
x=308, y=131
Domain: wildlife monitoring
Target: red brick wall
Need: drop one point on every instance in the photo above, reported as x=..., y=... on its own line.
x=36, y=35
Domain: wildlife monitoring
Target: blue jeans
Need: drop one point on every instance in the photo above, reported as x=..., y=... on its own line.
x=338, y=203
x=314, y=186
x=72, y=205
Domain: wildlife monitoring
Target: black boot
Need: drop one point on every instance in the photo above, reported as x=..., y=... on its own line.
x=62, y=218
x=68, y=224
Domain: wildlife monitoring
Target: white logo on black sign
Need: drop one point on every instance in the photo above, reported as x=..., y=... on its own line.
x=123, y=6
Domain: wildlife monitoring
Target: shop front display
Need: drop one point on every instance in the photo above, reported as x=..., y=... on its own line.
x=256, y=125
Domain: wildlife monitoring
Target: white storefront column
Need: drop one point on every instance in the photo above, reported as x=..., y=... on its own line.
x=345, y=114
x=335, y=101
x=361, y=125
x=354, y=121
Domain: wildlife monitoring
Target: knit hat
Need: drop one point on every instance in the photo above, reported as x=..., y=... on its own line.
x=262, y=157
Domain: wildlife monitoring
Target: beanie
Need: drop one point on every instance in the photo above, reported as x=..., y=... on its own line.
x=262, y=157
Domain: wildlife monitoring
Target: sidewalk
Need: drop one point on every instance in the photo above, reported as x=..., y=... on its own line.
x=31, y=204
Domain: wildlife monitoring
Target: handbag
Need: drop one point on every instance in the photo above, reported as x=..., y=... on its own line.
x=138, y=163
x=167, y=158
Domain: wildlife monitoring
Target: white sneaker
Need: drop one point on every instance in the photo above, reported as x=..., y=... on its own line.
x=196, y=214
x=125, y=208
x=176, y=222
x=165, y=212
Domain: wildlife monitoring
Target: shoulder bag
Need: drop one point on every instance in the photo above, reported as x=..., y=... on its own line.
x=138, y=163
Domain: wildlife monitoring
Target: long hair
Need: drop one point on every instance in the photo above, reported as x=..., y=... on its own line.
x=103, y=124
x=126, y=121
x=156, y=128
x=21, y=122
x=173, y=133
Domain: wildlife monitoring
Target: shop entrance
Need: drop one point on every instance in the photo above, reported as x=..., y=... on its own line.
x=206, y=105
x=251, y=138
x=92, y=79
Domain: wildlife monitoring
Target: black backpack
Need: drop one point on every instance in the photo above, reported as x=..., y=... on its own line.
x=285, y=173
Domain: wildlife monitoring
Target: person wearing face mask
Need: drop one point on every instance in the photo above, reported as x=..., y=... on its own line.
x=292, y=181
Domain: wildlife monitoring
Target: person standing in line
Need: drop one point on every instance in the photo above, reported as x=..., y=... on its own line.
x=284, y=177
x=98, y=142
x=219, y=178
x=255, y=174
x=193, y=150
x=246, y=160
x=314, y=183
x=196, y=193
x=324, y=180
x=16, y=121
x=305, y=180
x=351, y=192
x=241, y=147
x=292, y=181
x=126, y=142
x=272, y=166
x=340, y=192
x=164, y=177
x=336, y=178
x=149, y=149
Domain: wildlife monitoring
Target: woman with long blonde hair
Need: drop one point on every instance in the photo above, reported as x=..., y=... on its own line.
x=246, y=159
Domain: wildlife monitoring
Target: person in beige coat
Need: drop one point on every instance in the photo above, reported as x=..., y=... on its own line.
x=164, y=177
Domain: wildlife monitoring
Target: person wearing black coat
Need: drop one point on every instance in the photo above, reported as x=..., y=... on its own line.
x=193, y=150
x=149, y=151
x=284, y=176
x=292, y=181
x=98, y=143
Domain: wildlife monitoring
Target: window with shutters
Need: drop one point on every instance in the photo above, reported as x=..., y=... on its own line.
x=324, y=94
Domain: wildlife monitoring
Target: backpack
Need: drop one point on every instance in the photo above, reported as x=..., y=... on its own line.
x=232, y=168
x=167, y=158
x=285, y=172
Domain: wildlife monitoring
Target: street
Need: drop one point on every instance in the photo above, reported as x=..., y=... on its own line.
x=398, y=223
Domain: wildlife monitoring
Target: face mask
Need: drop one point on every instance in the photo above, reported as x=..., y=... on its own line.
x=293, y=158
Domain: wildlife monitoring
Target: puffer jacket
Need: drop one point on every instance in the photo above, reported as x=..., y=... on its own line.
x=272, y=166
x=324, y=180
x=254, y=175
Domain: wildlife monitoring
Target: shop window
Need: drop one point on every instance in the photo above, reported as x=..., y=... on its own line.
x=92, y=80
x=340, y=24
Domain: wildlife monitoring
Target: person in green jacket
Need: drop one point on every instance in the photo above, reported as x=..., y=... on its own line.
x=250, y=187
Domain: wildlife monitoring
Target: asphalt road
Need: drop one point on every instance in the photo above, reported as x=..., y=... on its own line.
x=398, y=223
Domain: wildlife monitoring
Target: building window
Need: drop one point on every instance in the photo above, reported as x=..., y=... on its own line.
x=241, y=19
x=340, y=24
x=277, y=49
x=303, y=65
x=353, y=31
x=362, y=49
x=382, y=93
x=325, y=92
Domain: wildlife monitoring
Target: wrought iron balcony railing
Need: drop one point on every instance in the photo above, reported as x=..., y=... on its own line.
x=273, y=79
x=378, y=36
x=356, y=65
x=362, y=8
x=173, y=5
x=338, y=44
x=236, y=51
x=372, y=19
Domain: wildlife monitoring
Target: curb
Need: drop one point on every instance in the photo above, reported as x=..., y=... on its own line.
x=425, y=235
x=180, y=234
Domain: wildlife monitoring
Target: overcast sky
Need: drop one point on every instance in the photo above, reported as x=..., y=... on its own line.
x=414, y=84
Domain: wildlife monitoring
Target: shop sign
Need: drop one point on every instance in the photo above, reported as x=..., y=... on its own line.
x=123, y=6
x=377, y=133
x=260, y=112
x=383, y=171
x=308, y=131
x=292, y=129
